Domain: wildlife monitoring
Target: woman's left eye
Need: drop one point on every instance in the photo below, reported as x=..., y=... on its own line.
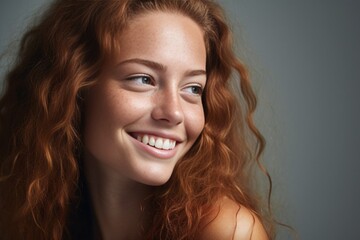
x=194, y=89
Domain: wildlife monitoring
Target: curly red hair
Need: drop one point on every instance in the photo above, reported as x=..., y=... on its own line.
x=41, y=122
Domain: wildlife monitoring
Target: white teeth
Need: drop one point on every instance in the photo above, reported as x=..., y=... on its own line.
x=152, y=141
x=166, y=144
x=173, y=143
x=159, y=143
x=145, y=139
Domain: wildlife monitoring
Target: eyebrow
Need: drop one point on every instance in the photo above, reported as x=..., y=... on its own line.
x=159, y=66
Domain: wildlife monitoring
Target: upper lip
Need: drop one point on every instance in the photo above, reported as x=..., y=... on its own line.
x=157, y=134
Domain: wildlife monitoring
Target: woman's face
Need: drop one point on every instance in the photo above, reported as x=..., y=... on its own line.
x=146, y=111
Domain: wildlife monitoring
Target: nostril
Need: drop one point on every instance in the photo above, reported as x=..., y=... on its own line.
x=168, y=108
x=173, y=116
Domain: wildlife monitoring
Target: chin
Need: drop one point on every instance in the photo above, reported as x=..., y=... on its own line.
x=156, y=180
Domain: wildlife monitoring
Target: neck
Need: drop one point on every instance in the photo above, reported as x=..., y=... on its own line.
x=117, y=202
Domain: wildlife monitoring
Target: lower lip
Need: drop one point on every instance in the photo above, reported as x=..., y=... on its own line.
x=155, y=152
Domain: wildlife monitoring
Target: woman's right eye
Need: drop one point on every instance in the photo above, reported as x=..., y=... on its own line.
x=140, y=79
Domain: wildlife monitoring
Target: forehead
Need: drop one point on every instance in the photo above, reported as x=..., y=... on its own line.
x=165, y=34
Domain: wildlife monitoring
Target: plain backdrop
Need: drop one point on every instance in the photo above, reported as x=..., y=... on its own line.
x=304, y=60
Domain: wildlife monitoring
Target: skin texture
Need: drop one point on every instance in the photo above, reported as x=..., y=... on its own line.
x=136, y=96
x=233, y=221
x=153, y=86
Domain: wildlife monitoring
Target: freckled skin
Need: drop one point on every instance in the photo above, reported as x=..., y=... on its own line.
x=120, y=105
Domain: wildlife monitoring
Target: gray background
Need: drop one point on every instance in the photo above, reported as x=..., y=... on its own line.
x=304, y=59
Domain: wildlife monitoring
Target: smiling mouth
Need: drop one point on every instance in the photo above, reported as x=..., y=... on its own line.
x=156, y=142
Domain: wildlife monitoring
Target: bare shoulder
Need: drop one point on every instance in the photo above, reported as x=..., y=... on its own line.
x=233, y=221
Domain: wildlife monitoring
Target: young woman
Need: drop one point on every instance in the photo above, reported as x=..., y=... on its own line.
x=119, y=122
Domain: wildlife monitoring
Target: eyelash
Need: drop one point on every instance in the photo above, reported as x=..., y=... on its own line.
x=194, y=89
x=198, y=91
x=142, y=77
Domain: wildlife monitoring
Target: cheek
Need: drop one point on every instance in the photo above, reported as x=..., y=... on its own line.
x=129, y=108
x=103, y=115
x=116, y=108
x=194, y=120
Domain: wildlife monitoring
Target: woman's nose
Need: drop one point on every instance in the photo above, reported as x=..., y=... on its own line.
x=167, y=107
